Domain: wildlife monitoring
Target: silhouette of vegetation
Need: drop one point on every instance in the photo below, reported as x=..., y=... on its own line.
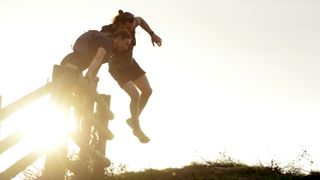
x=224, y=168
x=214, y=171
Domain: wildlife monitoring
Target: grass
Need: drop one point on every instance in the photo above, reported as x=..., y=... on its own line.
x=212, y=171
x=224, y=168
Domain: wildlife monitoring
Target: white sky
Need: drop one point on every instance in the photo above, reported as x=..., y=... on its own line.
x=240, y=76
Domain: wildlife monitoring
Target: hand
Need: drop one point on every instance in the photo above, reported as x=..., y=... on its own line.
x=156, y=39
x=93, y=81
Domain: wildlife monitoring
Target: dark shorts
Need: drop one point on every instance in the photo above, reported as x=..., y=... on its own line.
x=127, y=73
x=65, y=76
x=64, y=80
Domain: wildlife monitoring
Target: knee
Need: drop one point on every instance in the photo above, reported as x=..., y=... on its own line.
x=147, y=92
x=135, y=97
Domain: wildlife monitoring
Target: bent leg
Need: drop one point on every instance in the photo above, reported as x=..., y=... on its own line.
x=133, y=122
x=132, y=91
x=143, y=85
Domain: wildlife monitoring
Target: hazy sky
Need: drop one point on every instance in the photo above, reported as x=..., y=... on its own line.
x=234, y=76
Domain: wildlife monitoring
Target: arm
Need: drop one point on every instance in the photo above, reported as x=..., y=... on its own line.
x=144, y=25
x=95, y=64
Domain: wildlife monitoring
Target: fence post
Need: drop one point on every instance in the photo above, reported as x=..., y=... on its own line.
x=103, y=117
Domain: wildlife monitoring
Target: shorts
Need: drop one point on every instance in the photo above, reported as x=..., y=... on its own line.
x=126, y=73
x=64, y=76
x=64, y=80
x=69, y=82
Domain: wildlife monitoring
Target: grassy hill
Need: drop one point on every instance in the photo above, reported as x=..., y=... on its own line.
x=213, y=171
x=224, y=168
x=201, y=171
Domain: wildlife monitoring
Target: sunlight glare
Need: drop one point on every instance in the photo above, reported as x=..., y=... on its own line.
x=48, y=127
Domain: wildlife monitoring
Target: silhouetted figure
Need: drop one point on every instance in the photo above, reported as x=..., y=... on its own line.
x=90, y=51
x=126, y=71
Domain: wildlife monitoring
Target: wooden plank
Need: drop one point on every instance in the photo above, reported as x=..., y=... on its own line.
x=11, y=140
x=21, y=164
x=15, y=106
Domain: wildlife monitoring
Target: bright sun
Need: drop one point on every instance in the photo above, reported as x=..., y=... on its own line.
x=44, y=124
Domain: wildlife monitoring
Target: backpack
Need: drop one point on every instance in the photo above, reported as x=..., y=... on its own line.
x=82, y=44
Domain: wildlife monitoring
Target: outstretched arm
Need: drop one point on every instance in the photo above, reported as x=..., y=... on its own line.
x=144, y=25
x=95, y=64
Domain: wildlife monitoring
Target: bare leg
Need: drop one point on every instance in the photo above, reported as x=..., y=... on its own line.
x=132, y=91
x=136, y=104
x=143, y=85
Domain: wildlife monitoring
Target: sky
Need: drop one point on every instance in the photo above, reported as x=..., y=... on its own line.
x=233, y=77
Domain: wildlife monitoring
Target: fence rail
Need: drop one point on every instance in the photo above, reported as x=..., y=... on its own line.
x=51, y=167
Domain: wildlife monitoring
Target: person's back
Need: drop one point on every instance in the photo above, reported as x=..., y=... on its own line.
x=69, y=74
x=82, y=44
x=85, y=47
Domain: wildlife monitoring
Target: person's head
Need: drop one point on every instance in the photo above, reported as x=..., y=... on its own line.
x=122, y=40
x=124, y=20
